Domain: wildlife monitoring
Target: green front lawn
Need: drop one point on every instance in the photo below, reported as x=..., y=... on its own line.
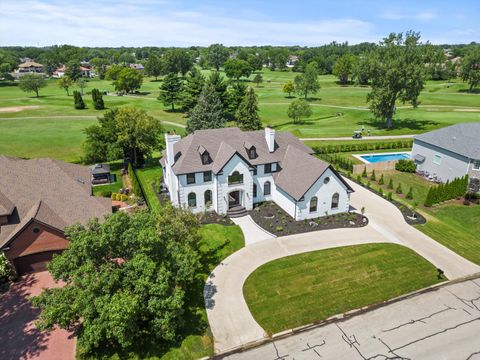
x=457, y=227
x=310, y=287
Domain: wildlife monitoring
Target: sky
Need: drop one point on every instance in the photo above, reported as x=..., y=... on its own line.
x=262, y=22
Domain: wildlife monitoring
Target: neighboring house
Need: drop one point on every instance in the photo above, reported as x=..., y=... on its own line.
x=221, y=169
x=38, y=199
x=86, y=72
x=100, y=174
x=449, y=153
x=291, y=61
x=138, y=67
x=30, y=67
x=59, y=72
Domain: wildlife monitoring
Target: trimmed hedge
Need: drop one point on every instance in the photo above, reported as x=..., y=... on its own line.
x=137, y=189
x=338, y=160
x=78, y=101
x=447, y=191
x=362, y=146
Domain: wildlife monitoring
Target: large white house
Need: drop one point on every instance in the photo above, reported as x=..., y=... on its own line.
x=224, y=169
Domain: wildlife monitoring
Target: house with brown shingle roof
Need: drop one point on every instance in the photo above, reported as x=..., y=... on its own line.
x=228, y=170
x=38, y=199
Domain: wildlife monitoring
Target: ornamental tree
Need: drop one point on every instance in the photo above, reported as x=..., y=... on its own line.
x=65, y=83
x=128, y=80
x=126, y=279
x=32, y=83
x=298, y=109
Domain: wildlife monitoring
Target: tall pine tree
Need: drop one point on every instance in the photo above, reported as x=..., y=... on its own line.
x=192, y=89
x=171, y=90
x=247, y=113
x=208, y=113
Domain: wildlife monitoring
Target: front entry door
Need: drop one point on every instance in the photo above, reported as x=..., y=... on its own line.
x=233, y=199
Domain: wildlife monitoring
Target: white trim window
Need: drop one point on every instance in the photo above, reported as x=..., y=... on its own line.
x=476, y=165
x=437, y=159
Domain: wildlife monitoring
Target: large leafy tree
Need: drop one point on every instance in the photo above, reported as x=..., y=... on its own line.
x=307, y=83
x=171, y=90
x=208, y=113
x=177, y=61
x=217, y=55
x=128, y=80
x=298, y=110
x=100, y=66
x=235, y=69
x=113, y=72
x=32, y=83
x=194, y=83
x=247, y=114
x=398, y=73
x=471, y=67
x=362, y=69
x=126, y=280
x=127, y=131
x=153, y=66
x=72, y=70
x=343, y=68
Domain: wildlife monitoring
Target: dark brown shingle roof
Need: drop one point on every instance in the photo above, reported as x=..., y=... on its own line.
x=51, y=191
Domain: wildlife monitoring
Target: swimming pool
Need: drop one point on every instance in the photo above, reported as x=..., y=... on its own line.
x=375, y=158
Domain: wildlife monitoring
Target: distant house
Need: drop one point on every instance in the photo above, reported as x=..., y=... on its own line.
x=59, y=72
x=100, y=174
x=292, y=60
x=228, y=170
x=86, y=72
x=28, y=67
x=38, y=199
x=138, y=67
x=450, y=152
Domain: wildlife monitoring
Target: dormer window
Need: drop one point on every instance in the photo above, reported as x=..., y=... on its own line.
x=252, y=153
x=205, y=155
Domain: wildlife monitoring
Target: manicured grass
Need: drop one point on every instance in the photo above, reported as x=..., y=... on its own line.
x=148, y=175
x=309, y=287
x=337, y=111
x=457, y=227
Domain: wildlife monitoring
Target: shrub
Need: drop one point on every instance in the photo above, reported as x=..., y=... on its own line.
x=447, y=191
x=368, y=184
x=78, y=101
x=123, y=197
x=105, y=193
x=373, y=177
x=381, y=181
x=410, y=194
x=279, y=228
x=405, y=166
x=5, y=268
x=398, y=190
x=390, y=184
x=97, y=98
x=389, y=196
x=113, y=196
x=359, y=179
x=364, y=173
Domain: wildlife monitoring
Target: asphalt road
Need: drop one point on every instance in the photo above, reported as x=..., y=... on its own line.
x=440, y=325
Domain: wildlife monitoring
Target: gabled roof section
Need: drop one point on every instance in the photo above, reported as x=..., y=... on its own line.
x=215, y=140
x=462, y=139
x=50, y=191
x=299, y=172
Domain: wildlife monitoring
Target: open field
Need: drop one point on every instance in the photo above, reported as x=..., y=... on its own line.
x=50, y=125
x=304, y=288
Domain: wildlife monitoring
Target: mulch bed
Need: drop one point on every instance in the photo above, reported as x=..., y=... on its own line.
x=275, y=220
x=211, y=217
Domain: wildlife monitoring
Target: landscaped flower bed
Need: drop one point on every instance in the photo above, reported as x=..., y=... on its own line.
x=211, y=217
x=275, y=220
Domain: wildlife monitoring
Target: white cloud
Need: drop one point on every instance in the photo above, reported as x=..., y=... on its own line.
x=86, y=23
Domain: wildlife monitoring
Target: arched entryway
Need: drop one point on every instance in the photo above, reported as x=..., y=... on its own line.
x=235, y=198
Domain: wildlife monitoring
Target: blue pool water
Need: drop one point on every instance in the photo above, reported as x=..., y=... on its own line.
x=385, y=157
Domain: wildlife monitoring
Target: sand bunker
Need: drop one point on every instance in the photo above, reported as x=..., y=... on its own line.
x=467, y=110
x=15, y=109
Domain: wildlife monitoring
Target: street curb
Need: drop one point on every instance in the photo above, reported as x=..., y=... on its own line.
x=340, y=317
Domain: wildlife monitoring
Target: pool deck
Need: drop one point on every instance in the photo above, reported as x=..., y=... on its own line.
x=359, y=156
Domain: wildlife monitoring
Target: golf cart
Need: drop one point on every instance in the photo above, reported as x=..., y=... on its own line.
x=357, y=134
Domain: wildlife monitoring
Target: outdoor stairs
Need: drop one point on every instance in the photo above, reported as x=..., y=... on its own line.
x=236, y=212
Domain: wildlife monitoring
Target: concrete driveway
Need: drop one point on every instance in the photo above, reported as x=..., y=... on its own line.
x=252, y=232
x=440, y=325
x=230, y=320
x=19, y=338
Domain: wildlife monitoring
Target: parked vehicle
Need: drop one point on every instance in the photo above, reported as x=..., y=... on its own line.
x=357, y=135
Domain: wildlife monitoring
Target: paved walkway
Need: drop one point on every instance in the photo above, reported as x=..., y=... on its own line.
x=251, y=231
x=230, y=319
x=442, y=324
x=19, y=338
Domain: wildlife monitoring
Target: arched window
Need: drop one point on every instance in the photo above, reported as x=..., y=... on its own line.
x=205, y=158
x=192, y=200
x=313, y=204
x=208, y=198
x=335, y=200
x=267, y=188
x=252, y=153
x=235, y=178
x=254, y=190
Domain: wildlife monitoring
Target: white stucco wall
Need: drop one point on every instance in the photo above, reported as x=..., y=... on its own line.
x=199, y=189
x=324, y=193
